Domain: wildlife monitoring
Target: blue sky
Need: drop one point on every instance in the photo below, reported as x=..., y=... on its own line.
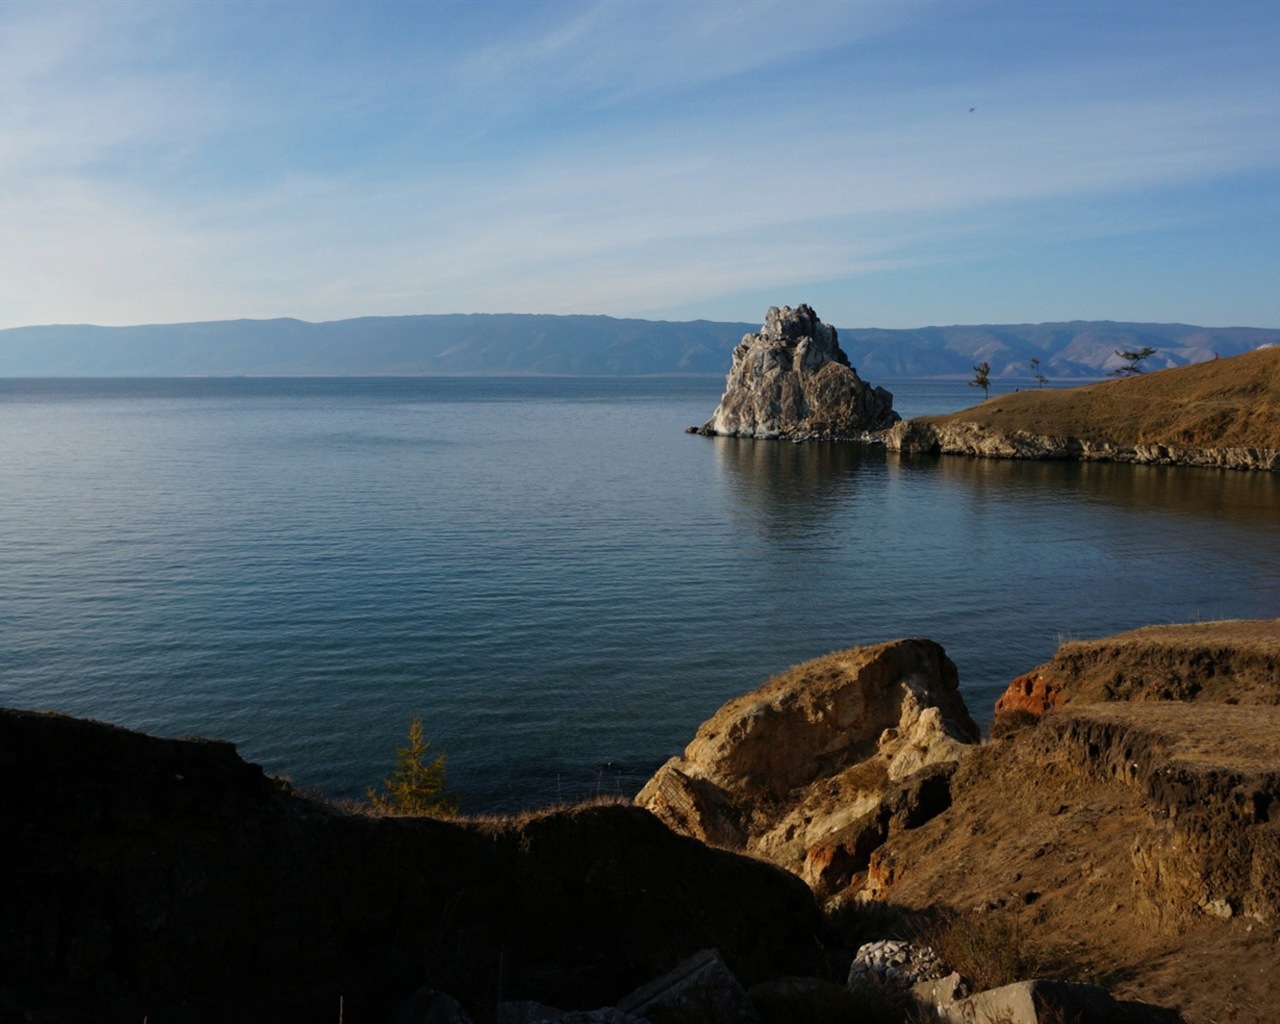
x=894, y=164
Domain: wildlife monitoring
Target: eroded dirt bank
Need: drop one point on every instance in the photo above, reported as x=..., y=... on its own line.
x=1129, y=823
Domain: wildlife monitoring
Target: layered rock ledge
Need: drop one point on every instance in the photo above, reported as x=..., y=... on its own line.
x=792, y=381
x=1223, y=414
x=812, y=769
x=1128, y=812
x=1236, y=661
x=977, y=439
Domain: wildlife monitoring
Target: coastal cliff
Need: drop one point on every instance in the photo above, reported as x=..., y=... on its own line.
x=1123, y=821
x=792, y=381
x=1121, y=826
x=1223, y=413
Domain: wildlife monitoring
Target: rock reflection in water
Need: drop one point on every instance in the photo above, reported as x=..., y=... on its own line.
x=998, y=560
x=790, y=489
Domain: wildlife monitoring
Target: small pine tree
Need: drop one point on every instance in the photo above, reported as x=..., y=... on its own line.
x=982, y=378
x=417, y=785
x=1131, y=360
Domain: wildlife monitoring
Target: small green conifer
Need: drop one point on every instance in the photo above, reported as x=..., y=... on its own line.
x=416, y=787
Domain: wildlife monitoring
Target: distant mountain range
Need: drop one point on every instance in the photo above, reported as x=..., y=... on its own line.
x=517, y=343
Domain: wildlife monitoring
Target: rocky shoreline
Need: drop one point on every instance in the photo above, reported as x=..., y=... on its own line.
x=975, y=439
x=789, y=866
x=791, y=381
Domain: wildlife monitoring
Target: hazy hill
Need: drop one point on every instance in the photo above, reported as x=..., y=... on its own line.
x=579, y=345
x=1080, y=348
x=409, y=345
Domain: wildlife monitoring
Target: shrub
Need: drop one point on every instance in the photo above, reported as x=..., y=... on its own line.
x=988, y=949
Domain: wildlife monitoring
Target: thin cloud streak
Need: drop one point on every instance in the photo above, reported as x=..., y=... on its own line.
x=612, y=52
x=144, y=190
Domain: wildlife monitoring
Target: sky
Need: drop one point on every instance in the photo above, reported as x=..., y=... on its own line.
x=894, y=164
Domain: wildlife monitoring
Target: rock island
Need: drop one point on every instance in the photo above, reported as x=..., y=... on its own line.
x=792, y=381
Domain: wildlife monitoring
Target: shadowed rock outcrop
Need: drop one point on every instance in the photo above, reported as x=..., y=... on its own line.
x=811, y=769
x=169, y=880
x=791, y=380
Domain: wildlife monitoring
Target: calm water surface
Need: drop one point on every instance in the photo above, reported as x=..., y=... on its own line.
x=551, y=574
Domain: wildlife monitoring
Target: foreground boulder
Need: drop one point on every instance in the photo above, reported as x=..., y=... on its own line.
x=791, y=380
x=168, y=879
x=812, y=769
x=1050, y=1002
x=700, y=990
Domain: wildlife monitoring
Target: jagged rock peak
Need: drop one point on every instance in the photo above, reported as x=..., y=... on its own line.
x=801, y=326
x=791, y=380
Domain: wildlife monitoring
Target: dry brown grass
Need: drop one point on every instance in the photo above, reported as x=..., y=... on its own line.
x=988, y=948
x=519, y=819
x=1228, y=662
x=1231, y=402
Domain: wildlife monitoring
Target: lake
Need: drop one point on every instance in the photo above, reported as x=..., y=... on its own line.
x=549, y=572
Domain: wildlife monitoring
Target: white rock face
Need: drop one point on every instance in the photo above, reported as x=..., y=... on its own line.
x=793, y=381
x=895, y=964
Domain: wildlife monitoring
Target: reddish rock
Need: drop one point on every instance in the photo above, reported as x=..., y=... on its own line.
x=1034, y=693
x=829, y=866
x=882, y=874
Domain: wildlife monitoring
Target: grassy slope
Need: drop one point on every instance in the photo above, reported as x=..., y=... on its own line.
x=1073, y=853
x=1231, y=402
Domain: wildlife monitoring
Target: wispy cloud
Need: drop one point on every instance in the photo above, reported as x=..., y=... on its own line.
x=79, y=91
x=620, y=51
x=158, y=163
